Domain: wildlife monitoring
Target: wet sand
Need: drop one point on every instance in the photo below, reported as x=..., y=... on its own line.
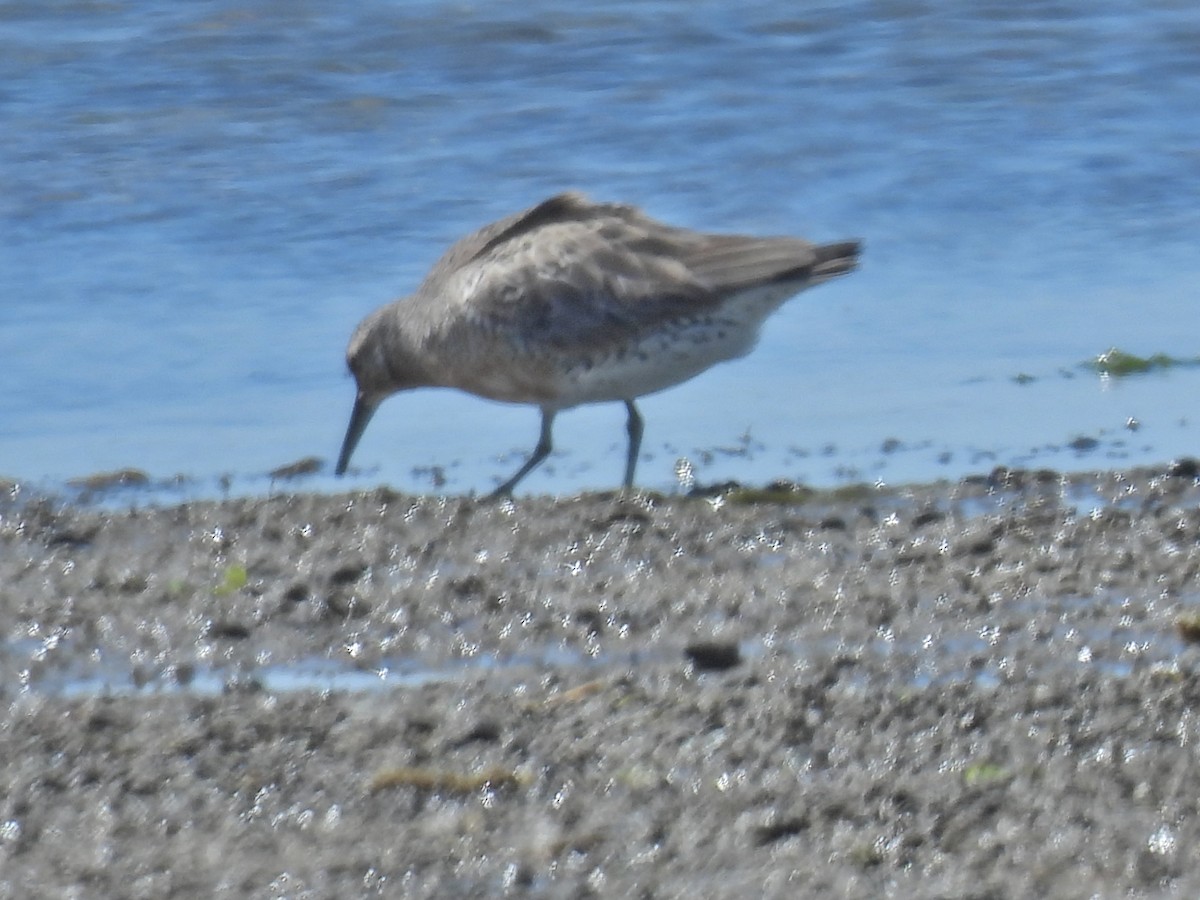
x=980, y=689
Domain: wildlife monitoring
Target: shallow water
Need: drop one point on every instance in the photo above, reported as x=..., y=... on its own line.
x=1095, y=633
x=199, y=203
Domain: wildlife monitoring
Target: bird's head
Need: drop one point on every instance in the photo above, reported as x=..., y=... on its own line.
x=382, y=362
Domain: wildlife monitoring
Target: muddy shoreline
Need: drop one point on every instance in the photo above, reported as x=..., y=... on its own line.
x=985, y=688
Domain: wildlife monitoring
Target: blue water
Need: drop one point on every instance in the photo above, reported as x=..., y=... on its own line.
x=199, y=201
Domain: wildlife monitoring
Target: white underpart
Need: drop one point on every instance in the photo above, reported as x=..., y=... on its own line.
x=669, y=356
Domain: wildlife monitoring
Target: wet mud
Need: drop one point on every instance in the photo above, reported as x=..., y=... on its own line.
x=987, y=688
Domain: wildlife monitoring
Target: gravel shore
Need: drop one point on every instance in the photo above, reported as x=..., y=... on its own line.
x=987, y=688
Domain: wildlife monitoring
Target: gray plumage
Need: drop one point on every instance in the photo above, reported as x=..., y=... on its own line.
x=574, y=302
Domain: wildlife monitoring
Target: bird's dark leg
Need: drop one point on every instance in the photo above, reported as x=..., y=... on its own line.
x=634, y=427
x=540, y=452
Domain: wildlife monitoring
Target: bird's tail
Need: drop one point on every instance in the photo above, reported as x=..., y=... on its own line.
x=834, y=260
x=728, y=263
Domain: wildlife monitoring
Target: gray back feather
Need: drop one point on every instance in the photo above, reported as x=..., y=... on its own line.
x=569, y=272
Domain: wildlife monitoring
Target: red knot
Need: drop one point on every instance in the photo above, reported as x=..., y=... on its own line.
x=574, y=302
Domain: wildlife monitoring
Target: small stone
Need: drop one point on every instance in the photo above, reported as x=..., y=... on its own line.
x=713, y=655
x=227, y=628
x=1186, y=467
x=309, y=465
x=347, y=574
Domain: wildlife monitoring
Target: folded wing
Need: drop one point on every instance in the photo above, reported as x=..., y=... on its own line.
x=571, y=273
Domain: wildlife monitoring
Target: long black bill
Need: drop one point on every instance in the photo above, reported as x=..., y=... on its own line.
x=359, y=417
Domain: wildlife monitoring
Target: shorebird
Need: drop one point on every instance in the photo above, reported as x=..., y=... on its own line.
x=572, y=302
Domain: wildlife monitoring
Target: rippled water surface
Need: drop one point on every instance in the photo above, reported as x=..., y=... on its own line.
x=199, y=202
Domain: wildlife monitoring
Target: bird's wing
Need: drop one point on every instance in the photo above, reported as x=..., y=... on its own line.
x=571, y=206
x=570, y=273
x=573, y=285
